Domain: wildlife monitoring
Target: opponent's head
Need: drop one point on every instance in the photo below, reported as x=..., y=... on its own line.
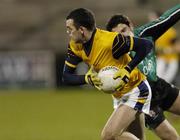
x=121, y=24
x=78, y=23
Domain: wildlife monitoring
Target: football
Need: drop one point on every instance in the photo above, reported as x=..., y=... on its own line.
x=106, y=76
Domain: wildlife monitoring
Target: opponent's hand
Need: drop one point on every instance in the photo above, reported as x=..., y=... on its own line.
x=91, y=78
x=124, y=75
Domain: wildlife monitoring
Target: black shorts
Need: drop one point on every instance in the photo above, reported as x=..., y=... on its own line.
x=163, y=96
x=152, y=122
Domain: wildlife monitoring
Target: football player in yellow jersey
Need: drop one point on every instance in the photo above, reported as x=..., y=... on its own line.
x=99, y=48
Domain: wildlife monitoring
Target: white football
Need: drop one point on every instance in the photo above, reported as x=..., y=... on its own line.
x=106, y=76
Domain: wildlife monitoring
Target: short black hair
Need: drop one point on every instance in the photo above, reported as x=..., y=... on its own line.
x=117, y=19
x=82, y=17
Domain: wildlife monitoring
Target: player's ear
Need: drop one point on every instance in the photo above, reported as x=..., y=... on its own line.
x=81, y=29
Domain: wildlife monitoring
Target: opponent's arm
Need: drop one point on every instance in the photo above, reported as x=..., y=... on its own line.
x=156, y=28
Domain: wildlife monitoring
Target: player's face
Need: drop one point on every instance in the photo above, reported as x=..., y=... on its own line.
x=123, y=29
x=74, y=33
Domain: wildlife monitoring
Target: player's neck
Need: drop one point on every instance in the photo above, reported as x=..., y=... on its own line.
x=87, y=36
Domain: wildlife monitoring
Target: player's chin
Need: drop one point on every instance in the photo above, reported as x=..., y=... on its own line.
x=77, y=40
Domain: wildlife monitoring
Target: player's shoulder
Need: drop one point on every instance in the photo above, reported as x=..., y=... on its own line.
x=104, y=33
x=138, y=30
x=105, y=36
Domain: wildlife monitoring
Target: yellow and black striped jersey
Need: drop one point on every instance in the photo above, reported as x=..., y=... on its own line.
x=105, y=49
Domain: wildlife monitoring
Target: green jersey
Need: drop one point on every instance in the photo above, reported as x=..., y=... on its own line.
x=152, y=31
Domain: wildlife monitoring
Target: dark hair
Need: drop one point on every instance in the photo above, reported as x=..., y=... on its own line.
x=82, y=17
x=117, y=19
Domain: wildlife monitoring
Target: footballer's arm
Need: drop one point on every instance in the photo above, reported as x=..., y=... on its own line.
x=158, y=27
x=69, y=69
x=124, y=44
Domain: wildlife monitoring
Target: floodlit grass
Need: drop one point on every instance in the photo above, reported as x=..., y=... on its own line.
x=65, y=114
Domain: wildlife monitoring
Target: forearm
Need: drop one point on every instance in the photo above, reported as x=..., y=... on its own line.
x=72, y=79
x=142, y=47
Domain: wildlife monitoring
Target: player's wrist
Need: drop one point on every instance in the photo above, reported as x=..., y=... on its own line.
x=88, y=79
x=128, y=68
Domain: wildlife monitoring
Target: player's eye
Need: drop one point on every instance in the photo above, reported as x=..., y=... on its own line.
x=123, y=30
x=69, y=31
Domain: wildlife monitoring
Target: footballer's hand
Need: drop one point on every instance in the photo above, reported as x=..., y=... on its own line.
x=124, y=75
x=91, y=78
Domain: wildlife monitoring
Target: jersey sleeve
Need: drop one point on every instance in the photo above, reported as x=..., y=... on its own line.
x=121, y=45
x=69, y=76
x=72, y=60
x=124, y=44
x=156, y=28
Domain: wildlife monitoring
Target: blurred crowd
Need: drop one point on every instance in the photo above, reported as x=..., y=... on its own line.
x=33, y=38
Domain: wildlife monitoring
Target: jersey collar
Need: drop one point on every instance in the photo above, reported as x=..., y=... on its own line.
x=88, y=45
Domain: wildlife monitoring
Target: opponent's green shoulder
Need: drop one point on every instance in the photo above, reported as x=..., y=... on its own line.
x=137, y=32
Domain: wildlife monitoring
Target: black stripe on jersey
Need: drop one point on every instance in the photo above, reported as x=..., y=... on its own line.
x=121, y=45
x=72, y=58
